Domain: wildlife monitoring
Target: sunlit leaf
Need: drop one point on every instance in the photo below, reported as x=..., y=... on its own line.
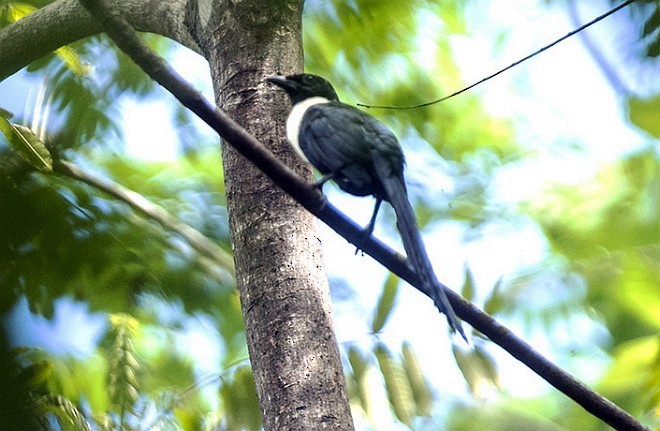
x=385, y=303
x=16, y=10
x=644, y=113
x=468, y=289
x=396, y=382
x=359, y=368
x=643, y=272
x=488, y=365
x=88, y=379
x=5, y=114
x=124, y=322
x=28, y=145
x=418, y=384
x=123, y=386
x=72, y=60
x=496, y=299
x=634, y=372
x=478, y=369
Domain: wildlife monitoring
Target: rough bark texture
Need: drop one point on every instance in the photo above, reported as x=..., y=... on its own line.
x=279, y=272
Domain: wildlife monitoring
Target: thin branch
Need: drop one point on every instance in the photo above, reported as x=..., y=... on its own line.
x=310, y=198
x=193, y=237
x=512, y=65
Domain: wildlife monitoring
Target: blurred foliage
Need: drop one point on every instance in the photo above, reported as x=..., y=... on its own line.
x=610, y=231
x=644, y=113
x=650, y=32
x=404, y=58
x=408, y=393
x=60, y=238
x=72, y=393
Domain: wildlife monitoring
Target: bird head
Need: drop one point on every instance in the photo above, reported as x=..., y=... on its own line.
x=303, y=86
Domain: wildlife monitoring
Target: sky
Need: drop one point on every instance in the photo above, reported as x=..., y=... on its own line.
x=560, y=96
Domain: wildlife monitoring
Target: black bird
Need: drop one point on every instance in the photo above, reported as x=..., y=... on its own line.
x=363, y=157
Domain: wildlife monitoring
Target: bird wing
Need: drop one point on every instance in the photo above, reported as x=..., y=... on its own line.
x=342, y=140
x=367, y=159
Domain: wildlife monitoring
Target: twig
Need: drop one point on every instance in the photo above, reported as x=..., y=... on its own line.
x=310, y=198
x=512, y=65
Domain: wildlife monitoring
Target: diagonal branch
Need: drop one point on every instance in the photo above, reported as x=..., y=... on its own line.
x=200, y=243
x=312, y=199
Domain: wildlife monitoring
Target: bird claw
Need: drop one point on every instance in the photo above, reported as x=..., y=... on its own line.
x=366, y=233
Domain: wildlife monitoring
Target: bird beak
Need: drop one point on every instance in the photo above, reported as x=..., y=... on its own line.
x=280, y=81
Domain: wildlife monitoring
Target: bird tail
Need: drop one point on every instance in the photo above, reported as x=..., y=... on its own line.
x=414, y=246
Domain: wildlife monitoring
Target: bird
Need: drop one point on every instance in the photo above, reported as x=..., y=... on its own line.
x=363, y=157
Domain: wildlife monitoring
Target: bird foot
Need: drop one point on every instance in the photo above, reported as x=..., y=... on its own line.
x=366, y=233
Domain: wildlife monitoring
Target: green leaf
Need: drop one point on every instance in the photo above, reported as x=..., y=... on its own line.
x=488, y=365
x=5, y=114
x=398, y=387
x=634, y=372
x=360, y=366
x=124, y=367
x=72, y=60
x=652, y=23
x=644, y=113
x=468, y=289
x=28, y=145
x=478, y=369
x=495, y=300
x=385, y=303
x=15, y=11
x=420, y=388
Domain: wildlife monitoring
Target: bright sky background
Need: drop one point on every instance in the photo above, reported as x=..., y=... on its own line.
x=559, y=96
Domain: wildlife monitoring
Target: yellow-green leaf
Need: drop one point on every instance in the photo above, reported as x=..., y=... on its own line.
x=645, y=114
x=122, y=320
x=16, y=11
x=478, y=369
x=385, y=303
x=468, y=289
x=72, y=60
x=397, y=385
x=5, y=114
x=360, y=366
x=487, y=365
x=418, y=384
x=28, y=145
x=496, y=300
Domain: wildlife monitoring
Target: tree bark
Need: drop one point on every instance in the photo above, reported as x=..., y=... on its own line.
x=299, y=406
x=65, y=21
x=280, y=275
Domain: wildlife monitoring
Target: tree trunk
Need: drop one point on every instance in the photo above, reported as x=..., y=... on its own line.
x=280, y=275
